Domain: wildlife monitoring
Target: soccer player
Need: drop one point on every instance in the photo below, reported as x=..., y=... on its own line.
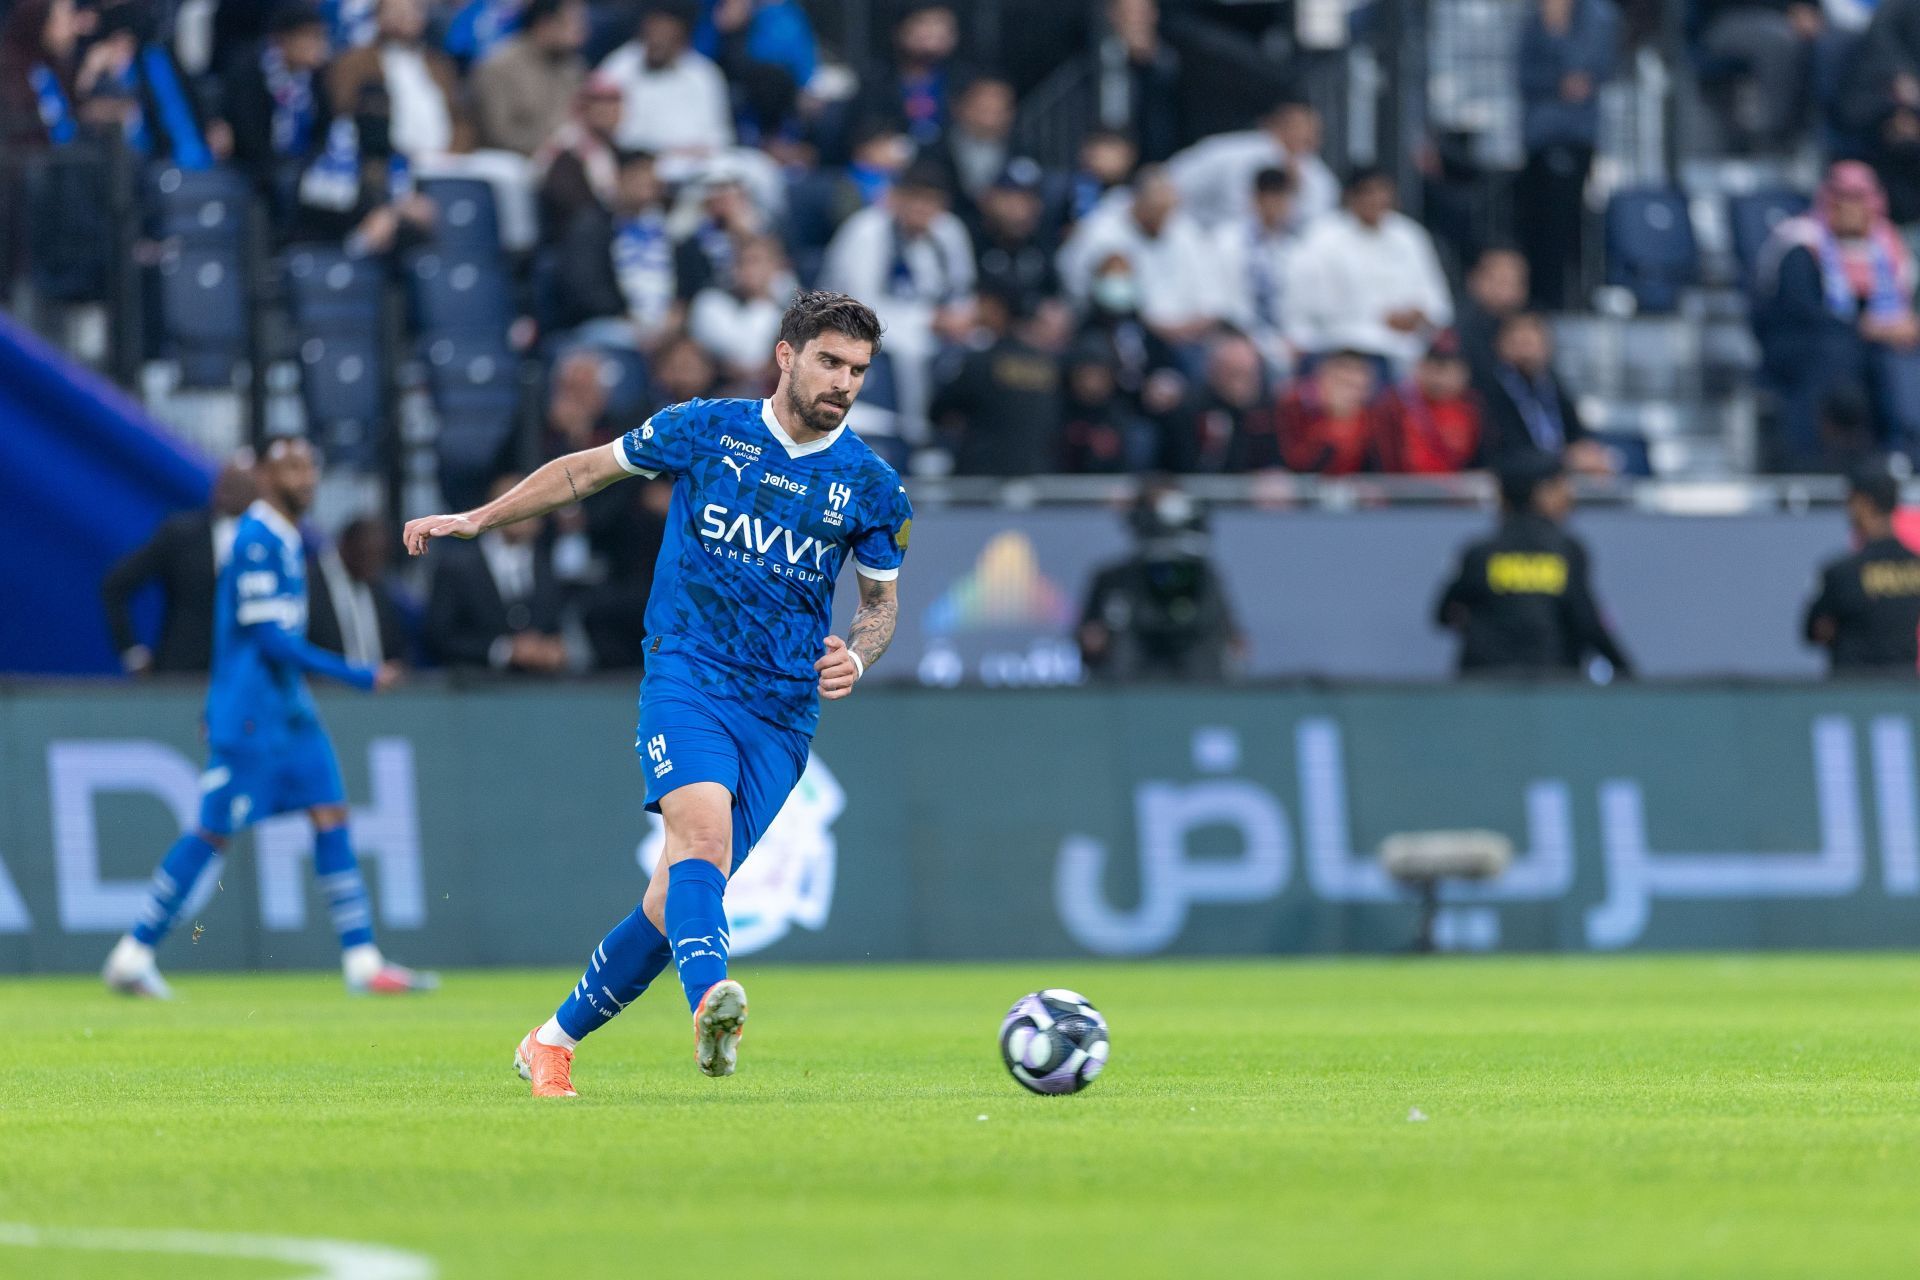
x=269, y=753
x=770, y=498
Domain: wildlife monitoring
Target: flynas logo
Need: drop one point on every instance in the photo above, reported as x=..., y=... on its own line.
x=789, y=879
x=1005, y=588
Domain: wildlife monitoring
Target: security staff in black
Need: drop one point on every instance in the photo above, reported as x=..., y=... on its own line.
x=1867, y=615
x=1523, y=601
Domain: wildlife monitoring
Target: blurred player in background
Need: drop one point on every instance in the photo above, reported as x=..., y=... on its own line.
x=1867, y=615
x=770, y=499
x=269, y=754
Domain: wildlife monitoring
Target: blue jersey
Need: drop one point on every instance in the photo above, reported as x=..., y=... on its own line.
x=260, y=647
x=758, y=530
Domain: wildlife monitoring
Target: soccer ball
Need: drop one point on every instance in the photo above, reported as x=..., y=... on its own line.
x=1053, y=1041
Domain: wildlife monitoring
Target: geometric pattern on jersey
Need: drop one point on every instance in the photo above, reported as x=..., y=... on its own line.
x=758, y=530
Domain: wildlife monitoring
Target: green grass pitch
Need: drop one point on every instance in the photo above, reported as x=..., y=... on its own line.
x=1672, y=1117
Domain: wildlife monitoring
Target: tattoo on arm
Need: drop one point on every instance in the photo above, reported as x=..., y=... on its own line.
x=570, y=484
x=872, y=629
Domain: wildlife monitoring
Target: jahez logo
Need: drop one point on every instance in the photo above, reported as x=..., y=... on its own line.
x=781, y=482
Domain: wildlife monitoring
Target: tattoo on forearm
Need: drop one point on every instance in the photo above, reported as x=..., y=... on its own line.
x=570, y=484
x=872, y=629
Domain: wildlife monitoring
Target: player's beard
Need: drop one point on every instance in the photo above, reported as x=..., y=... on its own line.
x=809, y=412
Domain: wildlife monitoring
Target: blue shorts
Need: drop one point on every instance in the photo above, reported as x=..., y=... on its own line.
x=243, y=786
x=687, y=735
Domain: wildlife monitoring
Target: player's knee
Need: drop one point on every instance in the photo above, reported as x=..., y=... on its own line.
x=707, y=846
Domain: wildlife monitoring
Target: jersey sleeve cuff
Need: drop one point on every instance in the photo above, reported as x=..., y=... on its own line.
x=878, y=575
x=619, y=448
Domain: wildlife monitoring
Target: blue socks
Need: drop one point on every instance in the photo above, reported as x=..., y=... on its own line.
x=697, y=925
x=625, y=963
x=338, y=872
x=172, y=882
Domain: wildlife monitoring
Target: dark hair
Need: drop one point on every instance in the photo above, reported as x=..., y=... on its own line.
x=1363, y=176
x=621, y=159
x=539, y=11
x=1273, y=182
x=1877, y=485
x=685, y=12
x=295, y=15
x=929, y=176
x=820, y=311
x=1521, y=477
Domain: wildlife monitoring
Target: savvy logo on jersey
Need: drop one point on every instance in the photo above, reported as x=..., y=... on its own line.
x=763, y=537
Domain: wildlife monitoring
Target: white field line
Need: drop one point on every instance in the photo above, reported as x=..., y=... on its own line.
x=331, y=1259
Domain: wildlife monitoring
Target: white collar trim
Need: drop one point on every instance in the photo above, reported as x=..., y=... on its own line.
x=786, y=441
x=264, y=512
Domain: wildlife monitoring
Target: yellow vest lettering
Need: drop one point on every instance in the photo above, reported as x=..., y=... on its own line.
x=1527, y=573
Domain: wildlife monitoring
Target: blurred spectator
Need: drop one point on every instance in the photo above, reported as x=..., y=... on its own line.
x=1015, y=257
x=1768, y=47
x=1181, y=295
x=1430, y=424
x=1100, y=431
x=1367, y=279
x=360, y=191
x=1834, y=314
x=1253, y=254
x=1325, y=425
x=911, y=261
x=999, y=412
x=1566, y=53
x=478, y=29
x=184, y=557
x=495, y=600
x=1133, y=79
x=677, y=104
x=768, y=51
x=356, y=611
x=738, y=324
x=422, y=86
x=576, y=169
x=881, y=153
x=1216, y=175
x=1867, y=614
x=916, y=83
x=1878, y=102
x=355, y=22
x=1107, y=160
x=1226, y=422
x=39, y=54
x=616, y=270
x=682, y=371
x=1496, y=289
x=576, y=404
x=1522, y=600
x=975, y=149
x=525, y=89
x=1528, y=409
x=1161, y=613
x=709, y=235
x=1146, y=367
x=271, y=100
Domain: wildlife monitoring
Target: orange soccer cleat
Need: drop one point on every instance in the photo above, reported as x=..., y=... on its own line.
x=718, y=1024
x=548, y=1067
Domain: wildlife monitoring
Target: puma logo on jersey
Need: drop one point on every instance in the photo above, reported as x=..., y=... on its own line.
x=781, y=482
x=739, y=468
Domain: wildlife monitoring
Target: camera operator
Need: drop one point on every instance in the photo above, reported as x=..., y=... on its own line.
x=1162, y=612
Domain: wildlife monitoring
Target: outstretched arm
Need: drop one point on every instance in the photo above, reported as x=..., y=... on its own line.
x=872, y=631
x=561, y=482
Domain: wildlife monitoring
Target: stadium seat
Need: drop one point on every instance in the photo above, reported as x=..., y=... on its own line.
x=1651, y=250
x=1753, y=217
x=475, y=385
x=333, y=291
x=203, y=313
x=343, y=381
x=469, y=224
x=1630, y=451
x=459, y=293
x=201, y=208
